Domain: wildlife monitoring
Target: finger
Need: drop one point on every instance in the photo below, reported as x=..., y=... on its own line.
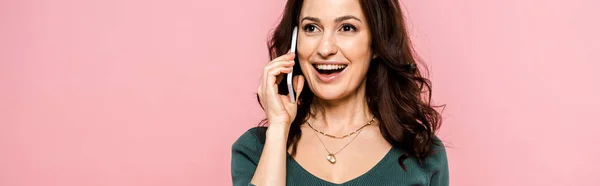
x=287, y=56
x=274, y=73
x=271, y=89
x=275, y=64
x=298, y=85
x=270, y=67
x=279, y=78
x=260, y=95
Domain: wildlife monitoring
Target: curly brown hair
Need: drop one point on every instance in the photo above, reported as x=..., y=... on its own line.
x=396, y=92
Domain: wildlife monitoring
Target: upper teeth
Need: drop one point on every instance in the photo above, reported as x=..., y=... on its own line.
x=330, y=67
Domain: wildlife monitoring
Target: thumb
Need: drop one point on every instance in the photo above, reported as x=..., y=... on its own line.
x=298, y=85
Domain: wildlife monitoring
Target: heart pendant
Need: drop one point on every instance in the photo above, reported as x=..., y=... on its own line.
x=331, y=158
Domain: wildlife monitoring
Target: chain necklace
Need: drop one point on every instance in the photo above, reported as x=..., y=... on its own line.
x=344, y=136
x=331, y=156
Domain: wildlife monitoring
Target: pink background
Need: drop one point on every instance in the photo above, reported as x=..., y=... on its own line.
x=128, y=93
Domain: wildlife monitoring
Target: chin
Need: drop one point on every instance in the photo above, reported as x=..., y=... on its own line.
x=330, y=94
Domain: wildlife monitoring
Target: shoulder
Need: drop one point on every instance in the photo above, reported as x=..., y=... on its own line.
x=439, y=155
x=436, y=160
x=250, y=142
x=245, y=154
x=437, y=164
x=439, y=159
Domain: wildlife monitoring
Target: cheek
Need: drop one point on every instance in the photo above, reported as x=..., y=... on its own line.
x=305, y=47
x=356, y=49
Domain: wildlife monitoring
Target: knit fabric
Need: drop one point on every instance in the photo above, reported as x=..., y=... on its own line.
x=247, y=149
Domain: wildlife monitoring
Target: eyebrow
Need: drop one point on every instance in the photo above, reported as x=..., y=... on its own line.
x=337, y=20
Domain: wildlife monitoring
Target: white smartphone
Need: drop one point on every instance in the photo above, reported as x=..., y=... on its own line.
x=290, y=86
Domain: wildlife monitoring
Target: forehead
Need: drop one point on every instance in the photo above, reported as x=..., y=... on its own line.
x=328, y=10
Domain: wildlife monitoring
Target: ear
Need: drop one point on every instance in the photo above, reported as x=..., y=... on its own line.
x=374, y=56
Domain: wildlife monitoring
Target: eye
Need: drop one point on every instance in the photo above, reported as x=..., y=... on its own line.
x=310, y=28
x=348, y=28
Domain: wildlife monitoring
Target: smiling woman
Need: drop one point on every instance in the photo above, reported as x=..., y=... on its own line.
x=361, y=117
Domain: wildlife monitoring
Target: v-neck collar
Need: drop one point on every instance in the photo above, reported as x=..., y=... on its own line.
x=381, y=162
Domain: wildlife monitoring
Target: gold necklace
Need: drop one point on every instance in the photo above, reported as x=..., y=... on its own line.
x=331, y=156
x=344, y=136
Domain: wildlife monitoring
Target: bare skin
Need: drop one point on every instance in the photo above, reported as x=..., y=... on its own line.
x=329, y=30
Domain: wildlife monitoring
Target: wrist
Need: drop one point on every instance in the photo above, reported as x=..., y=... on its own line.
x=278, y=132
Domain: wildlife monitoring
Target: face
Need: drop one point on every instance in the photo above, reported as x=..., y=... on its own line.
x=334, y=47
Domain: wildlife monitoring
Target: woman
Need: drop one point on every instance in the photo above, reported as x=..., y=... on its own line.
x=360, y=118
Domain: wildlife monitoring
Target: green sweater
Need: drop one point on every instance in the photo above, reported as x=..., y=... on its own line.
x=247, y=149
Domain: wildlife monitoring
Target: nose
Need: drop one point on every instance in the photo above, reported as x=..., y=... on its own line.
x=327, y=46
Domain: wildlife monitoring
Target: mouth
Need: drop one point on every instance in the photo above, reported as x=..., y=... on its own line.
x=329, y=69
x=328, y=73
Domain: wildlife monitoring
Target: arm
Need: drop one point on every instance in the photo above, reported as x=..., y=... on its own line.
x=252, y=164
x=271, y=169
x=280, y=111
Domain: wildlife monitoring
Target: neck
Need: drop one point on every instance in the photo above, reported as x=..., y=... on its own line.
x=341, y=115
